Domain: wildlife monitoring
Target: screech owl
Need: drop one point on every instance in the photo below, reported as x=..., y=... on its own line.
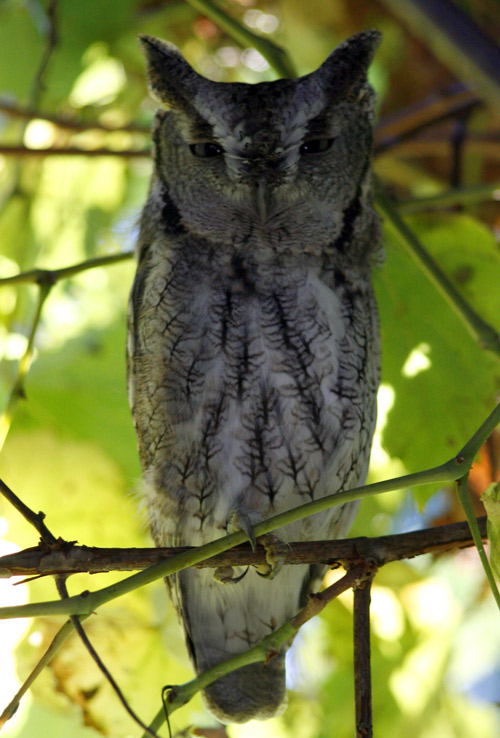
x=253, y=352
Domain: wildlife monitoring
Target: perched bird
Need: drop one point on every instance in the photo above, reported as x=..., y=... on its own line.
x=253, y=355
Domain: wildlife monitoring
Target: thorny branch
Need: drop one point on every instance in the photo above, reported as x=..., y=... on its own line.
x=64, y=558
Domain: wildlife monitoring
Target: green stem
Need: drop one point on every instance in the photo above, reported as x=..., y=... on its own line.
x=482, y=332
x=276, y=56
x=267, y=648
x=463, y=494
x=469, y=451
x=450, y=198
x=57, y=642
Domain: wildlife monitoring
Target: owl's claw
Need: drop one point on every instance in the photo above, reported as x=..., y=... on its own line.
x=240, y=521
x=276, y=551
x=226, y=575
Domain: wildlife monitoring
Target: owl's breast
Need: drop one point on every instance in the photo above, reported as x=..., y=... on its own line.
x=257, y=390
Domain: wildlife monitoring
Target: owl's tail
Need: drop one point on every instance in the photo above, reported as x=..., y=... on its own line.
x=254, y=692
x=224, y=620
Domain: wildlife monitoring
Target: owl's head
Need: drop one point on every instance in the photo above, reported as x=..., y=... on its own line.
x=276, y=166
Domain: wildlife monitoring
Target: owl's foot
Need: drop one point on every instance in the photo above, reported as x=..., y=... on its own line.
x=276, y=551
x=227, y=575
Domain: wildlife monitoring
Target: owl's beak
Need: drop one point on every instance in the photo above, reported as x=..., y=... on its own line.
x=261, y=199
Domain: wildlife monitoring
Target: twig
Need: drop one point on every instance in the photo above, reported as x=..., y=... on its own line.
x=49, y=654
x=21, y=151
x=32, y=113
x=481, y=331
x=438, y=145
x=75, y=620
x=86, y=602
x=362, y=659
x=45, y=279
x=435, y=108
x=36, y=519
x=463, y=494
x=383, y=549
x=51, y=276
x=37, y=86
x=275, y=55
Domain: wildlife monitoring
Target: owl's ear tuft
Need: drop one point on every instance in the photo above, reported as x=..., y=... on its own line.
x=172, y=81
x=344, y=73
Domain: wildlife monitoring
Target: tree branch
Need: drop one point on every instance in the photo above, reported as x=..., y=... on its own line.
x=32, y=113
x=75, y=620
x=51, y=276
x=64, y=558
x=21, y=151
x=35, y=519
x=362, y=658
x=52, y=38
x=57, y=642
x=86, y=602
x=435, y=108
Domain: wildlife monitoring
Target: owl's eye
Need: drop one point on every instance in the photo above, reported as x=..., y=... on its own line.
x=206, y=150
x=316, y=146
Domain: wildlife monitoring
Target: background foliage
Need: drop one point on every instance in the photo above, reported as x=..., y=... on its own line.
x=71, y=449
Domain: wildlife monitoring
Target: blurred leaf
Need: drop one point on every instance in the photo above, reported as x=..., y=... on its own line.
x=80, y=391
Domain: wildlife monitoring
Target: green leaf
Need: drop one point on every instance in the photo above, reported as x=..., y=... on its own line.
x=444, y=383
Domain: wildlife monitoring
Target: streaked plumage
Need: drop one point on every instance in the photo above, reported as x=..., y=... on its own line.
x=253, y=337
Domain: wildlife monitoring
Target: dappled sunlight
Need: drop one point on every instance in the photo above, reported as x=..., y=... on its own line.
x=40, y=134
x=386, y=613
x=99, y=83
x=417, y=361
x=382, y=466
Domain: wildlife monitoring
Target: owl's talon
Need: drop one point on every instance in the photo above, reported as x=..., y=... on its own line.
x=241, y=522
x=226, y=575
x=276, y=551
